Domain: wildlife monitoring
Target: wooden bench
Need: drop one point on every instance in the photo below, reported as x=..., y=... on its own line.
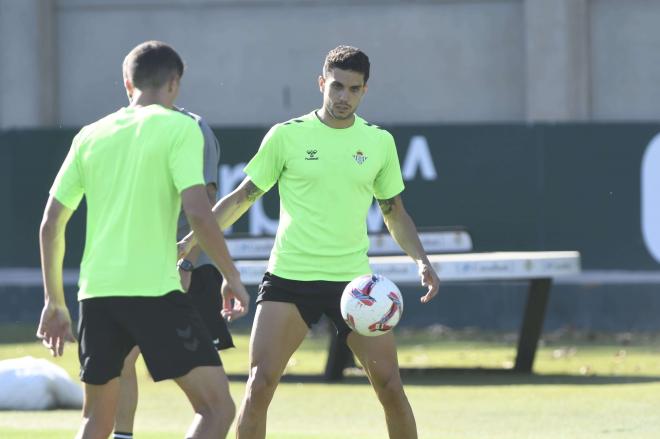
x=448, y=250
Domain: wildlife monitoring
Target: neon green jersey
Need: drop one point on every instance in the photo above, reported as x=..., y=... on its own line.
x=131, y=167
x=327, y=179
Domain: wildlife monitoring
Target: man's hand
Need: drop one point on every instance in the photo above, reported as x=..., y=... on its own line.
x=186, y=277
x=55, y=328
x=235, y=300
x=429, y=279
x=185, y=246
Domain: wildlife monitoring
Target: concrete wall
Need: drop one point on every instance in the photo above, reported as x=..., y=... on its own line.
x=625, y=57
x=256, y=61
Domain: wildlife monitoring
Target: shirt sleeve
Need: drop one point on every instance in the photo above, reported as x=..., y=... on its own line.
x=68, y=185
x=389, y=182
x=266, y=166
x=211, y=154
x=187, y=156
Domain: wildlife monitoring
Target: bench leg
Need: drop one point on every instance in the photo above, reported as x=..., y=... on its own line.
x=339, y=358
x=537, y=300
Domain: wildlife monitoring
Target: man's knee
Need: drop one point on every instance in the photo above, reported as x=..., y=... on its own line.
x=390, y=391
x=216, y=404
x=261, y=384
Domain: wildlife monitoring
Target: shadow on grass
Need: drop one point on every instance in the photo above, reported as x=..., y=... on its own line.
x=18, y=333
x=470, y=377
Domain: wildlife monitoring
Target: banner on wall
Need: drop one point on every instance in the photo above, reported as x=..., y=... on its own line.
x=594, y=188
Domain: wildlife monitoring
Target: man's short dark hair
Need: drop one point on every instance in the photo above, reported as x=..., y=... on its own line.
x=151, y=64
x=347, y=58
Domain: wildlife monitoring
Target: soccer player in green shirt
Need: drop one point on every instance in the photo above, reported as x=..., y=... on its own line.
x=329, y=165
x=136, y=168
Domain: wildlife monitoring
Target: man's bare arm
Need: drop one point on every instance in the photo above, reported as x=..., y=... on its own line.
x=404, y=232
x=55, y=323
x=227, y=211
x=197, y=208
x=231, y=207
x=198, y=211
x=211, y=192
x=193, y=255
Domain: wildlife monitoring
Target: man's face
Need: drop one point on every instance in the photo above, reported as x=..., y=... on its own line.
x=342, y=92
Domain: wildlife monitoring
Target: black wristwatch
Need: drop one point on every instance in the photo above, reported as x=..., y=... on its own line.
x=185, y=265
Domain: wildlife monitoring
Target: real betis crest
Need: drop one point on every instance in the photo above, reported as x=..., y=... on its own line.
x=359, y=157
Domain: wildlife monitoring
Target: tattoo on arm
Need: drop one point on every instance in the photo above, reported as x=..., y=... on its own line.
x=252, y=192
x=386, y=206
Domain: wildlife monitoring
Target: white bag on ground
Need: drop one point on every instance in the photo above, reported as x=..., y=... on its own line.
x=29, y=383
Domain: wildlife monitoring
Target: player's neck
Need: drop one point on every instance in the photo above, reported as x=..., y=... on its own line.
x=325, y=117
x=149, y=97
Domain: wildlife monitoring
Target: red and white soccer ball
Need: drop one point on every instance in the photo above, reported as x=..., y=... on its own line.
x=371, y=305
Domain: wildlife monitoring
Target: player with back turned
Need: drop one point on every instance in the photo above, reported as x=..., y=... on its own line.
x=329, y=165
x=135, y=168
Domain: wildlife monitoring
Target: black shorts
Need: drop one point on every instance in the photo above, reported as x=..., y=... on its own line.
x=312, y=298
x=168, y=329
x=204, y=292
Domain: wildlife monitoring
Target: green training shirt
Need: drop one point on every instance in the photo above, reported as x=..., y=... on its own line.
x=327, y=179
x=131, y=166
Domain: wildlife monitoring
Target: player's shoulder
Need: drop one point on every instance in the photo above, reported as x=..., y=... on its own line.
x=373, y=130
x=291, y=127
x=175, y=116
x=300, y=121
x=194, y=116
x=96, y=128
x=296, y=124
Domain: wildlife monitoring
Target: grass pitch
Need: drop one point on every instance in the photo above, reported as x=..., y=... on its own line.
x=582, y=388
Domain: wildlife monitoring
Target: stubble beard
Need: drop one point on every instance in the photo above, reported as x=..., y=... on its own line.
x=337, y=117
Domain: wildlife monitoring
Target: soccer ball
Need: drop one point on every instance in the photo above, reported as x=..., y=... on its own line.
x=371, y=305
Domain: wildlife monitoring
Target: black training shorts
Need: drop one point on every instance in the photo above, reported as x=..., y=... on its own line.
x=168, y=329
x=204, y=292
x=312, y=298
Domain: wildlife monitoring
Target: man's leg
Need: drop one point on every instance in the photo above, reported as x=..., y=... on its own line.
x=379, y=359
x=207, y=389
x=128, y=396
x=175, y=345
x=277, y=331
x=99, y=410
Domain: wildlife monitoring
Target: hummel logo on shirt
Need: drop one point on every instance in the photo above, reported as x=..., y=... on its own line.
x=311, y=154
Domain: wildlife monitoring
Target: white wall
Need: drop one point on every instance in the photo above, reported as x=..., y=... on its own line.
x=256, y=61
x=259, y=63
x=625, y=59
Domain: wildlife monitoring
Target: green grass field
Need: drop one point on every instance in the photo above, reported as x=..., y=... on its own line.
x=582, y=389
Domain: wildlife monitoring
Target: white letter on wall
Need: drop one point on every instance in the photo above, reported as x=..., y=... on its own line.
x=418, y=157
x=650, y=192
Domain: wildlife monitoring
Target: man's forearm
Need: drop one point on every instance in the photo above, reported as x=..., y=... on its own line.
x=210, y=238
x=404, y=232
x=232, y=206
x=225, y=212
x=194, y=254
x=52, y=246
x=229, y=209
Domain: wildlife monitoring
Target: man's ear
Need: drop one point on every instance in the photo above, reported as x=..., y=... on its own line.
x=173, y=83
x=321, y=83
x=128, y=85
